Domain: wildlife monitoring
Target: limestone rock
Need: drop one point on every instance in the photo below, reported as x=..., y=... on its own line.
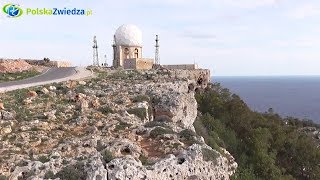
x=82, y=82
x=5, y=115
x=50, y=115
x=44, y=90
x=1, y=105
x=52, y=88
x=6, y=130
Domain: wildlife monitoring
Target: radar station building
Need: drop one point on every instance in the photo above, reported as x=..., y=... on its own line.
x=127, y=49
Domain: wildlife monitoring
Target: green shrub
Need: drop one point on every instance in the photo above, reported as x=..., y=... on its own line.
x=107, y=156
x=43, y=159
x=72, y=172
x=122, y=126
x=209, y=155
x=155, y=100
x=139, y=112
x=140, y=98
x=119, y=101
x=22, y=163
x=49, y=175
x=189, y=136
x=145, y=161
x=105, y=110
x=160, y=131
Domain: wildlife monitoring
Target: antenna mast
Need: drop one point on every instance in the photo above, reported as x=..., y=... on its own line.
x=157, y=56
x=95, y=52
x=105, y=58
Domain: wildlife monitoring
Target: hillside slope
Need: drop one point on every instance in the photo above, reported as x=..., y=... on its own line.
x=120, y=125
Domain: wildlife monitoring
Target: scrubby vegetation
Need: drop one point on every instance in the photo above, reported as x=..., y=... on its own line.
x=160, y=131
x=107, y=156
x=145, y=161
x=49, y=175
x=139, y=112
x=189, y=136
x=265, y=145
x=72, y=172
x=4, y=77
x=140, y=98
x=43, y=159
x=209, y=155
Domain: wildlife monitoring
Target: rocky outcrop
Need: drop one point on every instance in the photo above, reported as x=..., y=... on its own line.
x=120, y=125
x=193, y=163
x=12, y=66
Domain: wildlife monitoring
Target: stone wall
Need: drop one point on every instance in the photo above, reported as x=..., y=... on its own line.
x=61, y=64
x=49, y=64
x=138, y=63
x=144, y=63
x=181, y=66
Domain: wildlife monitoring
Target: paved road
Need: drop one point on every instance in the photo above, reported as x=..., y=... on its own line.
x=49, y=76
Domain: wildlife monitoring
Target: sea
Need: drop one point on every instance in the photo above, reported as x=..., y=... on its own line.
x=295, y=96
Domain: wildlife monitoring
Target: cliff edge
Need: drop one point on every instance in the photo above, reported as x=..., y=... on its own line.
x=119, y=125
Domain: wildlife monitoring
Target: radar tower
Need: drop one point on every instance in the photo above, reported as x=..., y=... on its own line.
x=157, y=56
x=95, y=52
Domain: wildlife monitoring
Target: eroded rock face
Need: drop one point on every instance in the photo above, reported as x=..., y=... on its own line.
x=190, y=163
x=122, y=125
x=175, y=102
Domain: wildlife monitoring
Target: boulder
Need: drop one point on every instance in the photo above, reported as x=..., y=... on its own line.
x=5, y=115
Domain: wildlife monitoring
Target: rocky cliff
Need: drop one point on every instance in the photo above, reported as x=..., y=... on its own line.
x=119, y=125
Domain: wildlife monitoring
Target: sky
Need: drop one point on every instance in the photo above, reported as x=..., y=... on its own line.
x=229, y=37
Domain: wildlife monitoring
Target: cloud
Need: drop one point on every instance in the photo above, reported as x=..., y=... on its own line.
x=302, y=42
x=304, y=11
x=199, y=36
x=249, y=4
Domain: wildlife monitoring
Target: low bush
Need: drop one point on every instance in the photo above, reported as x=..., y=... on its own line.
x=189, y=136
x=209, y=155
x=160, y=131
x=43, y=159
x=107, y=156
x=145, y=161
x=139, y=112
x=122, y=126
x=105, y=110
x=140, y=98
x=49, y=175
x=72, y=172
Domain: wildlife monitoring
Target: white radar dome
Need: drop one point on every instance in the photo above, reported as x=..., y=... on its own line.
x=128, y=35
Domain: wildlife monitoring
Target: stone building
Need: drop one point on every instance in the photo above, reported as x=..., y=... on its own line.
x=127, y=49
